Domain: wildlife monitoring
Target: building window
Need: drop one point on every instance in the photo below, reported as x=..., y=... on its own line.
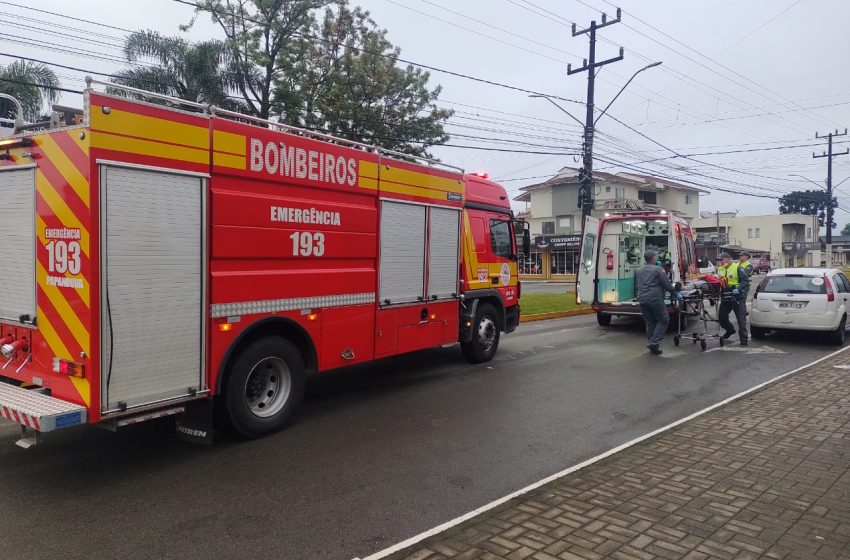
x=689, y=199
x=533, y=264
x=649, y=197
x=607, y=189
x=548, y=228
x=564, y=262
x=565, y=222
x=758, y=233
x=809, y=234
x=750, y=233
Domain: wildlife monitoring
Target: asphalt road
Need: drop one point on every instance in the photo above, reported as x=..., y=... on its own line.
x=380, y=453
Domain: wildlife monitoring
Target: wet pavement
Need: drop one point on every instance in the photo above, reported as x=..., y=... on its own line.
x=766, y=476
x=379, y=453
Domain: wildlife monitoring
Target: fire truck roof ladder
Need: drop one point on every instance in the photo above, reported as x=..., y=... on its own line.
x=18, y=121
x=213, y=110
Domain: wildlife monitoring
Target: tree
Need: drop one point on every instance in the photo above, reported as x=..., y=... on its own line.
x=810, y=202
x=34, y=85
x=265, y=38
x=352, y=86
x=337, y=73
x=201, y=72
x=846, y=230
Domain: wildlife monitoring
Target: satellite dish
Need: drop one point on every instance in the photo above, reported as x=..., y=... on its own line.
x=706, y=214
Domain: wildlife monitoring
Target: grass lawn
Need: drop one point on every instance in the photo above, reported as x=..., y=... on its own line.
x=545, y=303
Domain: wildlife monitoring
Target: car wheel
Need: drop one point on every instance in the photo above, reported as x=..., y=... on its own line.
x=264, y=387
x=839, y=334
x=485, y=336
x=603, y=320
x=757, y=332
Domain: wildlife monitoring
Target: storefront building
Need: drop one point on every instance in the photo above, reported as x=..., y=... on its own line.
x=553, y=257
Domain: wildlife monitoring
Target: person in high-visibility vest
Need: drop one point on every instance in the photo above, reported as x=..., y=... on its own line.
x=737, y=282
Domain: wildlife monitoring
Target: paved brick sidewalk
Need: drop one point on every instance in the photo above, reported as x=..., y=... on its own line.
x=767, y=476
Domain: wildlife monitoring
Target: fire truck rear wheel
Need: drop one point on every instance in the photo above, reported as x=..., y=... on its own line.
x=485, y=336
x=265, y=387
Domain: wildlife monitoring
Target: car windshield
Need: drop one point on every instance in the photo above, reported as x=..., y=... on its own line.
x=794, y=284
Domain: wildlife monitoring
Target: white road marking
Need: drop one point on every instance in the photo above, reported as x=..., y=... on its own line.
x=748, y=349
x=496, y=503
x=842, y=366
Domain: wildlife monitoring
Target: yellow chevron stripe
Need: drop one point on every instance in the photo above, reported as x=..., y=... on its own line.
x=81, y=334
x=228, y=160
x=49, y=333
x=60, y=209
x=83, y=388
x=150, y=128
x=65, y=166
x=84, y=293
x=107, y=141
x=83, y=143
x=421, y=180
x=229, y=142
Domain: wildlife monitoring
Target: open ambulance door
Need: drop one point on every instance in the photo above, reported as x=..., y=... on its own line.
x=586, y=286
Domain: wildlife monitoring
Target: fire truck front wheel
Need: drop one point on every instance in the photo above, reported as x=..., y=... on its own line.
x=485, y=335
x=264, y=387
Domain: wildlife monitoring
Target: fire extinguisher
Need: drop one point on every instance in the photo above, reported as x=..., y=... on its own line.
x=610, y=261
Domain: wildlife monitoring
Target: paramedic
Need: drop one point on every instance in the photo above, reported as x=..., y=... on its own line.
x=737, y=284
x=652, y=283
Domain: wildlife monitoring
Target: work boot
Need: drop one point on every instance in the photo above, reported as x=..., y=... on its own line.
x=654, y=349
x=745, y=343
x=728, y=334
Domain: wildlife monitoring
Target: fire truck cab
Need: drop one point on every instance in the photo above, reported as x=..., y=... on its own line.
x=162, y=257
x=613, y=249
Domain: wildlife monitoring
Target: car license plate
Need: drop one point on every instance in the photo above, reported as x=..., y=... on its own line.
x=792, y=304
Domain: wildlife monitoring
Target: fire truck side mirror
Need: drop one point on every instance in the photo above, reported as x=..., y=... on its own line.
x=522, y=235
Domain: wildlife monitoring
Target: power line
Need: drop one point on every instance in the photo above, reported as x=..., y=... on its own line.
x=40, y=86
x=393, y=57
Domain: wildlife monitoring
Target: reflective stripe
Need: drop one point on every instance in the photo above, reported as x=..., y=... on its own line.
x=292, y=304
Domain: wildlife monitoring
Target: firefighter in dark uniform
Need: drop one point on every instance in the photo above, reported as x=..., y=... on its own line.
x=745, y=264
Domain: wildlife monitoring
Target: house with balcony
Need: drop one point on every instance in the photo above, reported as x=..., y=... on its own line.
x=786, y=239
x=555, y=219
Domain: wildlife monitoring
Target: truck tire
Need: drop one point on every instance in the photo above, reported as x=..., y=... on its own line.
x=264, y=387
x=485, y=336
x=603, y=320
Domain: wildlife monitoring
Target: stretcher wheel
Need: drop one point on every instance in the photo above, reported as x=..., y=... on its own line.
x=676, y=340
x=722, y=343
x=702, y=345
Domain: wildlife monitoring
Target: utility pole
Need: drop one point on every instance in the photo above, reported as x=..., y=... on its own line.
x=829, y=155
x=586, y=194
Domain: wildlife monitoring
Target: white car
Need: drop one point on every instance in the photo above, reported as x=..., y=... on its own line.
x=709, y=268
x=804, y=299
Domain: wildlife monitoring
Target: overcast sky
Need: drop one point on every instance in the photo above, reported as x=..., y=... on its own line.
x=736, y=77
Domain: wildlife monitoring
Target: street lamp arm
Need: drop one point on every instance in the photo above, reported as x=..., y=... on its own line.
x=558, y=106
x=622, y=89
x=807, y=179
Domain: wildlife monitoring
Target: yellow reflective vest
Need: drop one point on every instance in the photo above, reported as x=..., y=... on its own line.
x=729, y=273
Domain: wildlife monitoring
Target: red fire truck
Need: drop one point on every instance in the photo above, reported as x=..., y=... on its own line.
x=160, y=257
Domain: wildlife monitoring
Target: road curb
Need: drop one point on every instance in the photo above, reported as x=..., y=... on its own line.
x=554, y=315
x=412, y=541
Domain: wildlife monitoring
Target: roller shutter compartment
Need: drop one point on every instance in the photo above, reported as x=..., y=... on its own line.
x=17, y=230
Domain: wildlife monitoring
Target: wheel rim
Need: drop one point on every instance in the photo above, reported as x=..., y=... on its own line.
x=487, y=333
x=267, y=387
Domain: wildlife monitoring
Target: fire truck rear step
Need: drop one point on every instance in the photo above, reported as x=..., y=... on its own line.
x=37, y=412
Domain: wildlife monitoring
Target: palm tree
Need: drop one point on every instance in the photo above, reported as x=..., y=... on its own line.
x=201, y=72
x=34, y=85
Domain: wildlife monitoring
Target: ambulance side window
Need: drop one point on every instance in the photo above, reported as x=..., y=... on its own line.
x=500, y=238
x=479, y=234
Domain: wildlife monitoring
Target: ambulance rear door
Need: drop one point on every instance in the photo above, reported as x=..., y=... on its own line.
x=588, y=268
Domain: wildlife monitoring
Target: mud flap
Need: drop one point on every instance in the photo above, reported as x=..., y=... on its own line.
x=195, y=424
